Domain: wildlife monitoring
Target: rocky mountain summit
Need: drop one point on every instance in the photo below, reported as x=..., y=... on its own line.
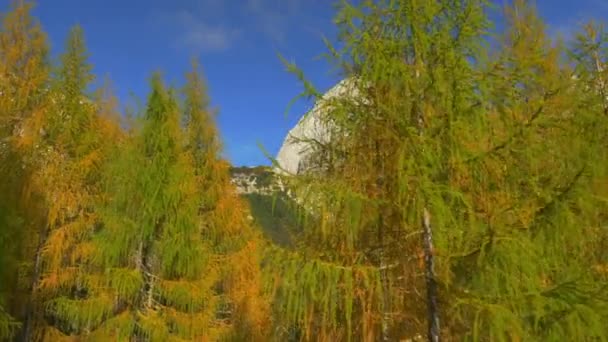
x=292, y=156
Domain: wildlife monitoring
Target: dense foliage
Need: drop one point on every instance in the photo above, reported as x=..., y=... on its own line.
x=461, y=192
x=491, y=145
x=114, y=230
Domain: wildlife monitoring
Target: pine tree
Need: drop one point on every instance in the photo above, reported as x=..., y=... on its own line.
x=23, y=80
x=443, y=130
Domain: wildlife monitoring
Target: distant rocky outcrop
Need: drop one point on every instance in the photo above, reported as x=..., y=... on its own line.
x=268, y=207
x=259, y=180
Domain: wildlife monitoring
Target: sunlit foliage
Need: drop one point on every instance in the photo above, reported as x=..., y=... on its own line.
x=496, y=138
x=24, y=76
x=127, y=227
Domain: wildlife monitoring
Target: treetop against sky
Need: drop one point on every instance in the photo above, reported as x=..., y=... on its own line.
x=237, y=42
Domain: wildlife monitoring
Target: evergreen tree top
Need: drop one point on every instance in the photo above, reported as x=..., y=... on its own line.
x=75, y=73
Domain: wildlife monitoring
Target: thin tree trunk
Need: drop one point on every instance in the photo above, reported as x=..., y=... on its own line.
x=138, y=334
x=146, y=296
x=30, y=309
x=146, y=299
x=429, y=260
x=600, y=68
x=386, y=302
x=431, y=285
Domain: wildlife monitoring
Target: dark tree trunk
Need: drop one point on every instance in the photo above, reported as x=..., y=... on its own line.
x=30, y=310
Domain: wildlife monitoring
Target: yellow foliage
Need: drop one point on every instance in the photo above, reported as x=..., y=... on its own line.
x=52, y=334
x=601, y=269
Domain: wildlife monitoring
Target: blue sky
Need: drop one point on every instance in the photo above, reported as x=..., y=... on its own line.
x=237, y=42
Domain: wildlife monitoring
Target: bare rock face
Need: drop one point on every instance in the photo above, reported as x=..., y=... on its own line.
x=292, y=155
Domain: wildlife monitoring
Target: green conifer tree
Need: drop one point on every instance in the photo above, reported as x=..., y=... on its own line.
x=528, y=278
x=156, y=272
x=443, y=131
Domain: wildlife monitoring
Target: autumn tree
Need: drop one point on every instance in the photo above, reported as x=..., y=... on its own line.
x=24, y=73
x=382, y=168
x=589, y=52
x=159, y=272
x=528, y=277
x=143, y=280
x=451, y=131
x=70, y=151
x=222, y=213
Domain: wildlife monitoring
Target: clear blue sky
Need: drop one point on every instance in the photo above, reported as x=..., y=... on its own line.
x=237, y=42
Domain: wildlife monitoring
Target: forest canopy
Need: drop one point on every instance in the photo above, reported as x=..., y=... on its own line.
x=462, y=193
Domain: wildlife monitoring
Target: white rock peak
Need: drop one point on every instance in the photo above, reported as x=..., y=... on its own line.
x=292, y=154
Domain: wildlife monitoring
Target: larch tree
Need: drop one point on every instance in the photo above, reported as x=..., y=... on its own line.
x=222, y=215
x=24, y=75
x=589, y=52
x=385, y=164
x=70, y=153
x=452, y=129
x=590, y=56
x=461, y=193
x=529, y=176
x=158, y=267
